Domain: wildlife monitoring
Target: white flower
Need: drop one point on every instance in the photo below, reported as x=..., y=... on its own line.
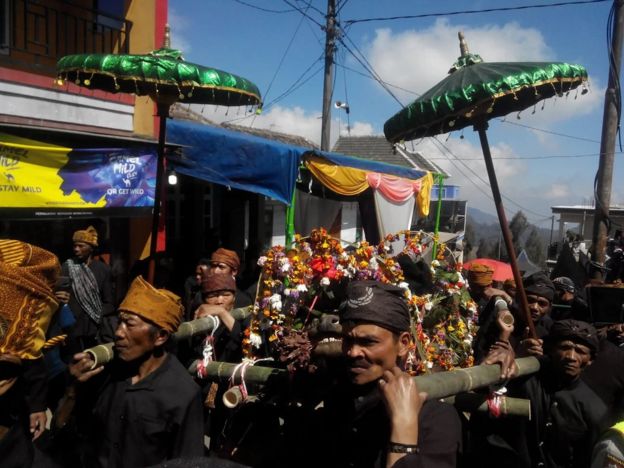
x=285, y=268
x=403, y=285
x=373, y=265
x=255, y=340
x=302, y=288
x=340, y=268
x=262, y=260
x=344, y=255
x=325, y=281
x=435, y=263
x=429, y=364
x=276, y=302
x=428, y=306
x=468, y=340
x=286, y=292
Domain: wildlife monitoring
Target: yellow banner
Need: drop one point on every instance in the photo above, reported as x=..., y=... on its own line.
x=48, y=177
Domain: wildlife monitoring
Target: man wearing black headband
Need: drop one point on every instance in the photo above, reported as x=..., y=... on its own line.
x=568, y=415
x=568, y=303
x=378, y=417
x=365, y=412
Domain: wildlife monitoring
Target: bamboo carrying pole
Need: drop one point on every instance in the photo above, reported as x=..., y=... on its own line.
x=451, y=386
x=437, y=385
x=473, y=402
x=104, y=353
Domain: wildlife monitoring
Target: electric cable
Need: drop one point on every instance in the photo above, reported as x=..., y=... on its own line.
x=436, y=139
x=281, y=62
x=368, y=67
x=468, y=12
x=304, y=13
x=548, y=131
x=374, y=79
x=261, y=8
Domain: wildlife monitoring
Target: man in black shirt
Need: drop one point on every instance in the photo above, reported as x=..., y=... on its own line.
x=568, y=415
x=91, y=295
x=147, y=407
x=376, y=417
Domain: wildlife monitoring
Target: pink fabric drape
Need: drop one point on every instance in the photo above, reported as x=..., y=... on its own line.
x=394, y=188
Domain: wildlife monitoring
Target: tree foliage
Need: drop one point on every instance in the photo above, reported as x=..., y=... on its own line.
x=535, y=247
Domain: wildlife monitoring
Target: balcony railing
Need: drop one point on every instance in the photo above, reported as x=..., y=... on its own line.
x=35, y=33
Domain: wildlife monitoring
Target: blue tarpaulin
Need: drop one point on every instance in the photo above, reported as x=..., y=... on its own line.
x=235, y=159
x=252, y=163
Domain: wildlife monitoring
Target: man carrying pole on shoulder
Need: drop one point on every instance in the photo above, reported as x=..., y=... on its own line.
x=147, y=408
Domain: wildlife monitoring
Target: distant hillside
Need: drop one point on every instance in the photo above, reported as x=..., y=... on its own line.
x=481, y=217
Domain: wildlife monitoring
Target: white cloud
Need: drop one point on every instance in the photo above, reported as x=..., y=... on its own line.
x=178, y=24
x=417, y=59
x=464, y=161
x=359, y=129
x=558, y=191
x=289, y=120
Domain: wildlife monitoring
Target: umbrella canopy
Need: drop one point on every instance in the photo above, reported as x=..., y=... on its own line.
x=472, y=94
x=164, y=76
x=502, y=270
x=475, y=90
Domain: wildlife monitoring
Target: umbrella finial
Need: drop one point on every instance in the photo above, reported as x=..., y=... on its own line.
x=463, y=46
x=167, y=38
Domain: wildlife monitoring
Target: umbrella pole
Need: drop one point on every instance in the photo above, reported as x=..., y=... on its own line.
x=436, y=228
x=502, y=219
x=163, y=113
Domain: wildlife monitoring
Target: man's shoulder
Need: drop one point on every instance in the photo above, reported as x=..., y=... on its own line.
x=176, y=376
x=99, y=265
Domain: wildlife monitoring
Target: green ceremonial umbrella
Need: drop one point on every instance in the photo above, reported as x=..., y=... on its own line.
x=164, y=76
x=473, y=93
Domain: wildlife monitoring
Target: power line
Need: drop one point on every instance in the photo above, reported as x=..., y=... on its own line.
x=588, y=155
x=468, y=12
x=300, y=81
x=279, y=66
x=435, y=139
x=340, y=7
x=374, y=79
x=268, y=10
x=366, y=65
x=309, y=5
x=548, y=131
x=304, y=13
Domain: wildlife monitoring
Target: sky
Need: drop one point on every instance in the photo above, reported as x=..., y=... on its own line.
x=546, y=156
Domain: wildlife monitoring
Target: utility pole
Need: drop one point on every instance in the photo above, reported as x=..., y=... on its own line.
x=607, y=142
x=328, y=83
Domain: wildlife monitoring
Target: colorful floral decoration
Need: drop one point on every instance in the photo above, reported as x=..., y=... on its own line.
x=448, y=318
x=311, y=276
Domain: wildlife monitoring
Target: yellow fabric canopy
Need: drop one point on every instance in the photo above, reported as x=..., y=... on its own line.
x=350, y=181
x=343, y=180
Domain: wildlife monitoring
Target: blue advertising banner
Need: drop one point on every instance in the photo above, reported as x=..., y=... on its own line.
x=37, y=180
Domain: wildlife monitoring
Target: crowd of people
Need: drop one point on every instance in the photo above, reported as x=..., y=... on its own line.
x=60, y=408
